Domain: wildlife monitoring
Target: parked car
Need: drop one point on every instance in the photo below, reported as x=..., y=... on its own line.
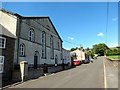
x=85, y=61
x=76, y=63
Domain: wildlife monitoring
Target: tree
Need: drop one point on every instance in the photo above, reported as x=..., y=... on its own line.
x=100, y=49
x=87, y=48
x=73, y=49
x=113, y=51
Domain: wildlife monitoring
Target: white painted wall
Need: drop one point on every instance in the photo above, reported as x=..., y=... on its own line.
x=80, y=54
x=66, y=56
x=9, y=22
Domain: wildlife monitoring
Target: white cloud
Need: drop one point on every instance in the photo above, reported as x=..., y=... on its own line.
x=115, y=19
x=71, y=38
x=100, y=34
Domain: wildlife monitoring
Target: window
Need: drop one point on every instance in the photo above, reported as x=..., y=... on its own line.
x=43, y=44
x=31, y=35
x=61, y=56
x=1, y=63
x=22, y=50
x=2, y=42
x=51, y=48
x=58, y=46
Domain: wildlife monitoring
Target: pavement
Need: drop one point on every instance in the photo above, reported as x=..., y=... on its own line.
x=83, y=76
x=111, y=73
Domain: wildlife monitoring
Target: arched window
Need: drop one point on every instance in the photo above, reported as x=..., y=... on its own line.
x=58, y=46
x=31, y=35
x=22, y=49
x=51, y=48
x=43, y=45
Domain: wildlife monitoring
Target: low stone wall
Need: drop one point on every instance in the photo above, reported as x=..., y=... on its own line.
x=54, y=69
x=35, y=73
x=16, y=75
x=67, y=67
x=32, y=73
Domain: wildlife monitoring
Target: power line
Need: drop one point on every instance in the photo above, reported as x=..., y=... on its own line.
x=107, y=20
x=71, y=43
x=107, y=23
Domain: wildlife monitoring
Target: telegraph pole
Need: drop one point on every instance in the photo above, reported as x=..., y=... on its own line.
x=81, y=51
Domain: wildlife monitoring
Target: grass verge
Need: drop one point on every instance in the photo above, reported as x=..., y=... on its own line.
x=114, y=57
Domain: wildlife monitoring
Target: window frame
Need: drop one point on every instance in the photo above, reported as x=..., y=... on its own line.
x=51, y=47
x=23, y=50
x=58, y=45
x=43, y=40
x=2, y=64
x=31, y=35
x=4, y=42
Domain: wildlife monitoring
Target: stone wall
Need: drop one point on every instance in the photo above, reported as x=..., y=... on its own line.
x=54, y=69
x=32, y=73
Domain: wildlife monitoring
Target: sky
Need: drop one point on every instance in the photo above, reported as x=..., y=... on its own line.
x=78, y=23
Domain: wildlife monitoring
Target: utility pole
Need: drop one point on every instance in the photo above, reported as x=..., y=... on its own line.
x=81, y=51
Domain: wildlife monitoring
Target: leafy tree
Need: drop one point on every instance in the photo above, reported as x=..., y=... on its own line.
x=113, y=51
x=100, y=49
x=73, y=49
x=88, y=49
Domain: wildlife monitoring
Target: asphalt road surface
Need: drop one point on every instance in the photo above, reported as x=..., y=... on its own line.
x=83, y=76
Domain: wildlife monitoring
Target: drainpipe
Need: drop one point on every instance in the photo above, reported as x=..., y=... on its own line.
x=18, y=36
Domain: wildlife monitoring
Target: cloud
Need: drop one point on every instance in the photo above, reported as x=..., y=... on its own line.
x=115, y=19
x=100, y=34
x=71, y=38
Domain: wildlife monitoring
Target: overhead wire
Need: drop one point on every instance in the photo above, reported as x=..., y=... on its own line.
x=107, y=15
x=75, y=44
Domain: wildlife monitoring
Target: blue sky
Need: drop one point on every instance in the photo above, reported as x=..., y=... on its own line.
x=77, y=23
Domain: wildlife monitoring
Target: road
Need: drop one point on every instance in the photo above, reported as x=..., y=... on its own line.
x=83, y=76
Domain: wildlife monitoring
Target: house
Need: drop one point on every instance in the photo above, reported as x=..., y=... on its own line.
x=80, y=55
x=7, y=42
x=37, y=41
x=66, y=58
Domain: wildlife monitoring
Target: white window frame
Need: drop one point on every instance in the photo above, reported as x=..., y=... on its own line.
x=2, y=64
x=4, y=42
x=22, y=49
x=31, y=35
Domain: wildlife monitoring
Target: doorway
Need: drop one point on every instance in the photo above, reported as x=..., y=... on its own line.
x=36, y=58
x=56, y=59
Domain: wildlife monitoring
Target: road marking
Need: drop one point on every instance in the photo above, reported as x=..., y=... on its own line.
x=105, y=80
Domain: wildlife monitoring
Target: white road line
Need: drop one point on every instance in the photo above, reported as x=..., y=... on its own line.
x=105, y=80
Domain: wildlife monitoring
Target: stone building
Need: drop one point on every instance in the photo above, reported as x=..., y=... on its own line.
x=37, y=40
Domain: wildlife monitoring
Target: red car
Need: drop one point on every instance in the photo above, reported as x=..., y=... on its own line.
x=76, y=63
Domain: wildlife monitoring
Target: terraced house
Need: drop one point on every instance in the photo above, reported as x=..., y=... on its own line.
x=37, y=41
